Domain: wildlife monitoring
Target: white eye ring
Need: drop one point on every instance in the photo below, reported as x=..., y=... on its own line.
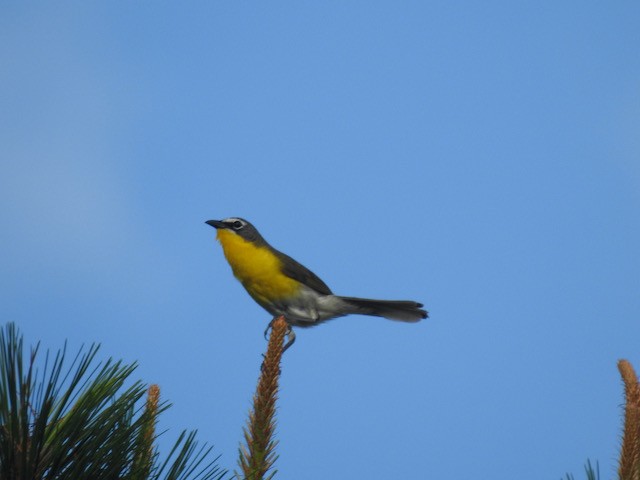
x=237, y=225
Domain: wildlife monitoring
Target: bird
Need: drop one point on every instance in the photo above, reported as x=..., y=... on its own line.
x=284, y=287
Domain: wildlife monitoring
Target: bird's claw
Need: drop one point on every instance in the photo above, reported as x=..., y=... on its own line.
x=291, y=336
x=269, y=327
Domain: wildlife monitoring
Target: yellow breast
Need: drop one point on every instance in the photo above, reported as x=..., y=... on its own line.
x=257, y=268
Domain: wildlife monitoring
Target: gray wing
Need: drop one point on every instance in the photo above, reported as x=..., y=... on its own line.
x=302, y=274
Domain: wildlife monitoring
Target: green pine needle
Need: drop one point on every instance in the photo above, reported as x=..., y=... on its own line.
x=83, y=420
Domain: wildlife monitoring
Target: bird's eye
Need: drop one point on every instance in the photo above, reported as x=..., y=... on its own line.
x=237, y=225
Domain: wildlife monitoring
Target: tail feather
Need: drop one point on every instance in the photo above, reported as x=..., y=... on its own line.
x=402, y=310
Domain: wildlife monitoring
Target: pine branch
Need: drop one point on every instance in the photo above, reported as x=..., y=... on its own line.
x=592, y=474
x=258, y=455
x=144, y=456
x=80, y=421
x=629, y=468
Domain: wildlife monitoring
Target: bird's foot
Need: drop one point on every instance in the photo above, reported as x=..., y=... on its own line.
x=291, y=336
x=269, y=327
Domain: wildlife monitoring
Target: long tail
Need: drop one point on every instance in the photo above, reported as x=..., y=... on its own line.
x=402, y=310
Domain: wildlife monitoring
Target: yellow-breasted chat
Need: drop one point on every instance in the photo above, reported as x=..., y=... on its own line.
x=284, y=287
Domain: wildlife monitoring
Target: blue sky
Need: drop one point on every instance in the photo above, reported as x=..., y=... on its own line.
x=482, y=158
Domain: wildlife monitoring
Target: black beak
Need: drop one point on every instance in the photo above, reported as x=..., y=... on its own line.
x=216, y=223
